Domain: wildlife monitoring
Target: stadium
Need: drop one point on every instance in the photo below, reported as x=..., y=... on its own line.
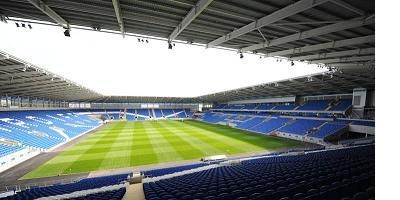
x=270, y=134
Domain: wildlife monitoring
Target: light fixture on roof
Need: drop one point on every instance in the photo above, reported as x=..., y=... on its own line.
x=169, y=45
x=17, y=24
x=67, y=33
x=241, y=55
x=309, y=79
x=292, y=63
x=29, y=26
x=147, y=41
x=23, y=25
x=276, y=84
x=3, y=19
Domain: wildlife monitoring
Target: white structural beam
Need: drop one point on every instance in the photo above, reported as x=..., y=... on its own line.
x=353, y=23
x=285, y=12
x=118, y=14
x=353, y=52
x=193, y=13
x=11, y=67
x=344, y=60
x=39, y=4
x=327, y=45
x=4, y=57
x=349, y=7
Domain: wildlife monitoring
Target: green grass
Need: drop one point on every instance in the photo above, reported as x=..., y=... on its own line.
x=125, y=144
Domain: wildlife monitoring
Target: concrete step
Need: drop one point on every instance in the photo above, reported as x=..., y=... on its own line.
x=134, y=192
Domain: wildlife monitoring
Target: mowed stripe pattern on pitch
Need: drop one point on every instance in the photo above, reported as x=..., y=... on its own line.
x=127, y=143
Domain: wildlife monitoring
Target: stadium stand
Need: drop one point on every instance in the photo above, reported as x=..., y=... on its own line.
x=284, y=107
x=363, y=123
x=301, y=126
x=168, y=113
x=180, y=113
x=170, y=170
x=43, y=129
x=158, y=113
x=328, y=129
x=108, y=195
x=343, y=105
x=315, y=105
x=326, y=175
x=270, y=125
x=7, y=149
x=59, y=189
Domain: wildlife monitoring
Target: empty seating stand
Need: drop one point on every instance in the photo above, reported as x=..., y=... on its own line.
x=85, y=184
x=328, y=175
x=108, y=195
x=301, y=126
x=315, y=105
x=7, y=149
x=43, y=129
x=343, y=105
x=328, y=129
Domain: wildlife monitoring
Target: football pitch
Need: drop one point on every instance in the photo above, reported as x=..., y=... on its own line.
x=125, y=144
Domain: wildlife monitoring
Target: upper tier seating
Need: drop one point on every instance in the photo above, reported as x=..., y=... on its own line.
x=284, y=107
x=219, y=106
x=84, y=184
x=43, y=129
x=249, y=107
x=315, y=105
x=301, y=126
x=237, y=107
x=328, y=175
x=265, y=107
x=328, y=129
x=343, y=105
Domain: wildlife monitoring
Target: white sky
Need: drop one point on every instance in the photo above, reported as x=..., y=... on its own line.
x=112, y=65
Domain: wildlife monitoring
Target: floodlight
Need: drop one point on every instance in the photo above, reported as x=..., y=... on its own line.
x=67, y=33
x=241, y=55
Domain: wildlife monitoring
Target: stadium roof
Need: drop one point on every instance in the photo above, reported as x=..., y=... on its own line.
x=333, y=32
x=19, y=78
x=337, y=33
x=339, y=82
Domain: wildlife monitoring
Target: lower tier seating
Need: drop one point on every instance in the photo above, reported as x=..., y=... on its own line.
x=108, y=195
x=328, y=175
x=85, y=184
